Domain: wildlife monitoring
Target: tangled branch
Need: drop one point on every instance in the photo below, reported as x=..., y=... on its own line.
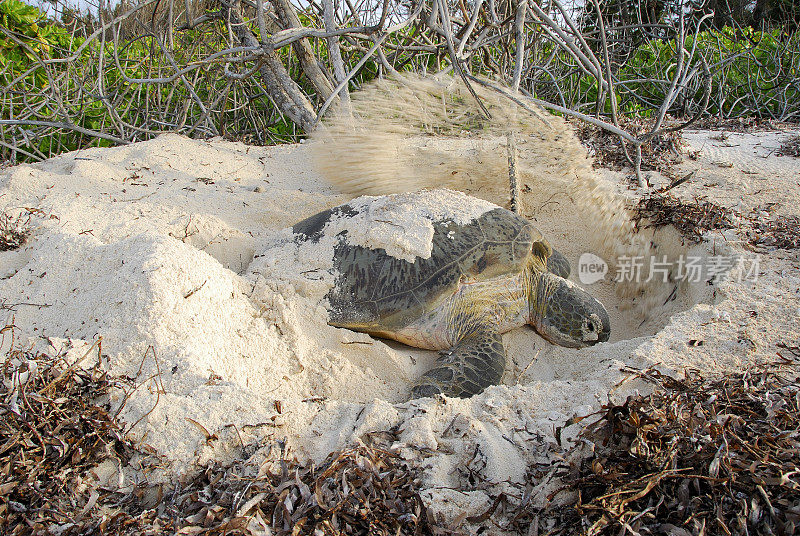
x=267, y=71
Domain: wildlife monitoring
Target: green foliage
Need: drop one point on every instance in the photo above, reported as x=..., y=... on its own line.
x=753, y=73
x=19, y=17
x=33, y=34
x=91, y=92
x=27, y=40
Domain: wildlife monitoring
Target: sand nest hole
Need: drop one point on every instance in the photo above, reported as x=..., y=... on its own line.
x=641, y=291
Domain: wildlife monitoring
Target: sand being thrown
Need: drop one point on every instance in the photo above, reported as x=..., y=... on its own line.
x=149, y=246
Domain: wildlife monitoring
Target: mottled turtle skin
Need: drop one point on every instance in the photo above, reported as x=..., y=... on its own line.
x=482, y=279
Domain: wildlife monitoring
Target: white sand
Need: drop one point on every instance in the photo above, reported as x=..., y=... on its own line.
x=150, y=247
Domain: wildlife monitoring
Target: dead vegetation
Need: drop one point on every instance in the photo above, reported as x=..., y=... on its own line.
x=54, y=431
x=697, y=456
x=660, y=154
x=790, y=147
x=693, y=218
x=740, y=124
x=360, y=491
x=690, y=218
x=51, y=435
x=782, y=232
x=14, y=230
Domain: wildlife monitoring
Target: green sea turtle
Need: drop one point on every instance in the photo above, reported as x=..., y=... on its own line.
x=488, y=271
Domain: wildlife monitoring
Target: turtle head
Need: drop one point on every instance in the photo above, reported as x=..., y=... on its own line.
x=565, y=314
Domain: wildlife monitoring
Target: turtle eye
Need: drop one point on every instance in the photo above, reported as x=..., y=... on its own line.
x=591, y=330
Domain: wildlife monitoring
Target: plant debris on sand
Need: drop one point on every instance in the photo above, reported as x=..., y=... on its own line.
x=697, y=456
x=359, y=491
x=53, y=433
x=693, y=218
x=13, y=231
x=740, y=124
x=782, y=232
x=690, y=218
x=660, y=153
x=790, y=147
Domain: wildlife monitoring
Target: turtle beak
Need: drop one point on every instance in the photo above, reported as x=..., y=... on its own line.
x=595, y=329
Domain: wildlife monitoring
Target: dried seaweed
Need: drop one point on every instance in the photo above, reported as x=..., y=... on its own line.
x=360, y=491
x=693, y=218
x=53, y=432
x=790, y=147
x=13, y=231
x=690, y=218
x=697, y=456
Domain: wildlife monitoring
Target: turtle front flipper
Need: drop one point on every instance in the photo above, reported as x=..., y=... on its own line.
x=473, y=364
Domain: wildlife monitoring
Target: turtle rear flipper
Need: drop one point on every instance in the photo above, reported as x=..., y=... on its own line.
x=473, y=364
